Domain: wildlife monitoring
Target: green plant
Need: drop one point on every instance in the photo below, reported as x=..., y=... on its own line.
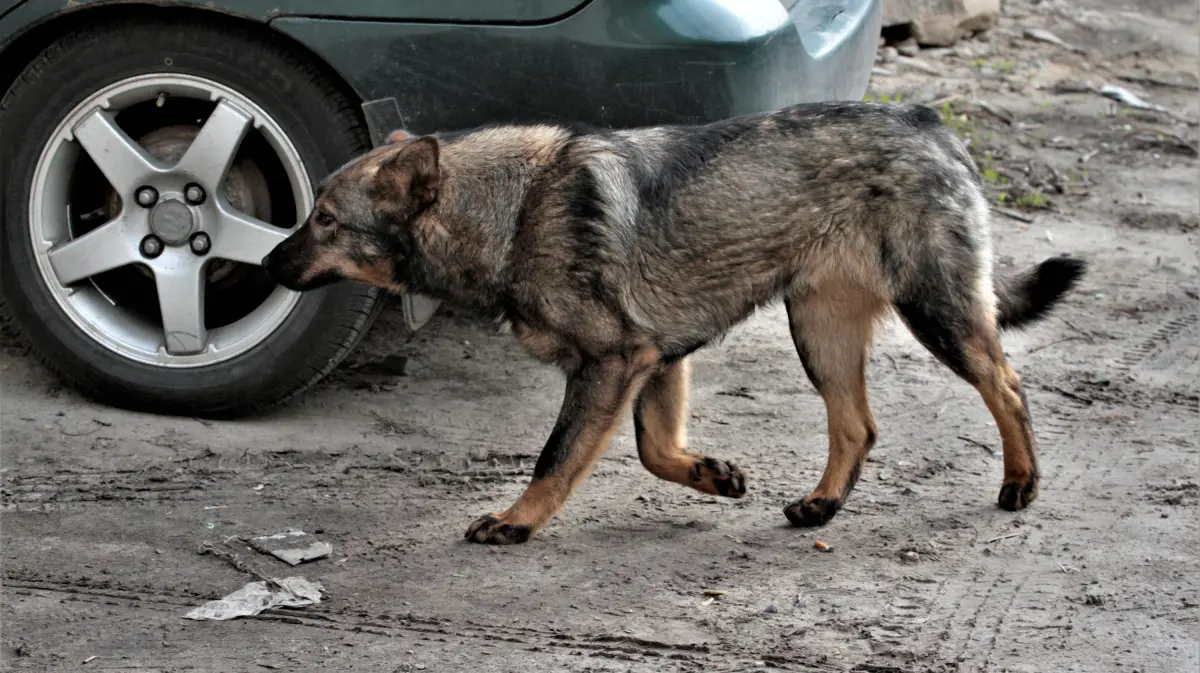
x=1002, y=65
x=1033, y=200
x=885, y=98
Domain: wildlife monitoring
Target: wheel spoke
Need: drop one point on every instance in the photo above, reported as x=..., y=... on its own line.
x=126, y=165
x=242, y=238
x=212, y=152
x=112, y=245
x=181, y=300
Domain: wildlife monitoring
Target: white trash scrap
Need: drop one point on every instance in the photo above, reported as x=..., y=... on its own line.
x=256, y=597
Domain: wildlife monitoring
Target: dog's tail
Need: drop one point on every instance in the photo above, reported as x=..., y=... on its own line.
x=1028, y=296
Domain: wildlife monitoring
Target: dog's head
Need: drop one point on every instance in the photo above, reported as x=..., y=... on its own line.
x=362, y=225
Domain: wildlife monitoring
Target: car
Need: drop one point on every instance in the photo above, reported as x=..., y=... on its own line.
x=155, y=151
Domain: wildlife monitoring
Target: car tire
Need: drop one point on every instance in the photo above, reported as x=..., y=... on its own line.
x=316, y=114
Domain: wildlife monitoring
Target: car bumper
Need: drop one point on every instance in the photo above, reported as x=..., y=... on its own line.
x=615, y=63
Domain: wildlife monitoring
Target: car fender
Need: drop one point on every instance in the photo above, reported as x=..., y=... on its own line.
x=17, y=16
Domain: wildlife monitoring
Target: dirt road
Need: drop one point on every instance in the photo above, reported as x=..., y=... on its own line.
x=103, y=511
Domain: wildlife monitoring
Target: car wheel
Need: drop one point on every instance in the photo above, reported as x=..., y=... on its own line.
x=149, y=168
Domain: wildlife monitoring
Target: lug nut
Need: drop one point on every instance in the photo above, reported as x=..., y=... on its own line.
x=146, y=196
x=151, y=247
x=201, y=243
x=194, y=194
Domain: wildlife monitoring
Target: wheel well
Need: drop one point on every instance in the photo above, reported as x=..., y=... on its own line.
x=21, y=52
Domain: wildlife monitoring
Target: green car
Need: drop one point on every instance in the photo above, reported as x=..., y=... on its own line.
x=153, y=152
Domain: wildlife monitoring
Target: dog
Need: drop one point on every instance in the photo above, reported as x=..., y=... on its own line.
x=616, y=254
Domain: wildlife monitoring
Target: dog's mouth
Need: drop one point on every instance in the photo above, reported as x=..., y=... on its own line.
x=297, y=277
x=316, y=281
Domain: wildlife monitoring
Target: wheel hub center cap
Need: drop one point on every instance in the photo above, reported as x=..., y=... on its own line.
x=172, y=221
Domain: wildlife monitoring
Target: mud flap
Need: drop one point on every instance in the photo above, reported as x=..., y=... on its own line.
x=383, y=116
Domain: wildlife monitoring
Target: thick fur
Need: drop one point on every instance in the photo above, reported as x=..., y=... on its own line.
x=616, y=254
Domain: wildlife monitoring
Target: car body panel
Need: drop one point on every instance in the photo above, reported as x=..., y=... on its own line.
x=615, y=63
x=606, y=62
x=26, y=12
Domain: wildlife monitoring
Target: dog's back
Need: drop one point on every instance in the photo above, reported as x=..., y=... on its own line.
x=681, y=232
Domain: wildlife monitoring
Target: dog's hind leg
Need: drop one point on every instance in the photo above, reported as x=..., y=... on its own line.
x=832, y=329
x=944, y=292
x=598, y=393
x=963, y=336
x=660, y=425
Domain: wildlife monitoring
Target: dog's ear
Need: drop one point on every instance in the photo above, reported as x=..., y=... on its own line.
x=413, y=170
x=397, y=136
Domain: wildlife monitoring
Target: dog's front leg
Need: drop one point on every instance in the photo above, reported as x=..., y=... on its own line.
x=598, y=392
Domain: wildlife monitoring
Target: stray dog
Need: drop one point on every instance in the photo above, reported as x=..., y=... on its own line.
x=617, y=254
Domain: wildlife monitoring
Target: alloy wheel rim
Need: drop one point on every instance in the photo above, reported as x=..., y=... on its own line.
x=174, y=220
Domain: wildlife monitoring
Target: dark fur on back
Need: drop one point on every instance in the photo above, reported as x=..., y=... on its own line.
x=658, y=216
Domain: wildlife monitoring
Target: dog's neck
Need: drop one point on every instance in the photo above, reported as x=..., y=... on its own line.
x=466, y=236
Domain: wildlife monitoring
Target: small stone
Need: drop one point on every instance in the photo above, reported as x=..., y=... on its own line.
x=1041, y=35
x=770, y=609
x=963, y=50
x=909, y=556
x=920, y=66
x=908, y=48
x=888, y=55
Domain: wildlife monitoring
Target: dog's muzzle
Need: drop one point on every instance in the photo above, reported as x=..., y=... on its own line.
x=279, y=269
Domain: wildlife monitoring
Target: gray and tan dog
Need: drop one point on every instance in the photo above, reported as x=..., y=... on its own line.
x=617, y=254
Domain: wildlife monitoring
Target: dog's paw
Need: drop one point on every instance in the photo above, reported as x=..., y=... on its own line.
x=1015, y=495
x=718, y=477
x=492, y=529
x=810, y=511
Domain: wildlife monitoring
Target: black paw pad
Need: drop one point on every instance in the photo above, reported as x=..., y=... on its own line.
x=490, y=530
x=811, y=512
x=1015, y=496
x=727, y=478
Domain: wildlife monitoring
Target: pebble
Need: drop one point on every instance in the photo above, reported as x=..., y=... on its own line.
x=888, y=55
x=770, y=609
x=908, y=48
x=920, y=66
x=1041, y=35
x=909, y=556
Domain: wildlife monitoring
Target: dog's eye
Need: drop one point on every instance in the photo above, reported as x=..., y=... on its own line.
x=325, y=219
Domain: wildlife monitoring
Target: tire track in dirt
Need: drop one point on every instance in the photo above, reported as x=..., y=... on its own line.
x=1087, y=457
x=47, y=492
x=1098, y=462
x=907, y=611
x=976, y=605
x=1157, y=342
x=381, y=624
x=998, y=629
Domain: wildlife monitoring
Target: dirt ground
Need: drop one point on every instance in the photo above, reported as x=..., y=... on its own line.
x=103, y=511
